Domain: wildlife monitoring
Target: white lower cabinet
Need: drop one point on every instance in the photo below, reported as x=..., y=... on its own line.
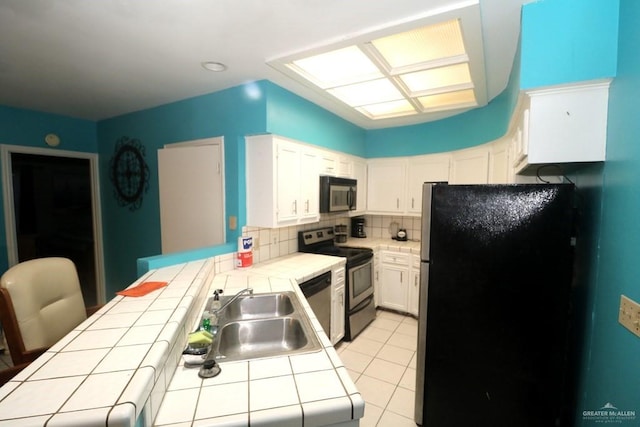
x=394, y=280
x=399, y=281
x=337, y=305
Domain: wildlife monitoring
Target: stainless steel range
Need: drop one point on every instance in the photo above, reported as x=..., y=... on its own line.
x=360, y=308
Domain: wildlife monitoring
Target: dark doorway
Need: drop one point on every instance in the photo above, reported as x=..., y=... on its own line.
x=54, y=213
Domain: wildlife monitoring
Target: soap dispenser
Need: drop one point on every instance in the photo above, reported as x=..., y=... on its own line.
x=214, y=308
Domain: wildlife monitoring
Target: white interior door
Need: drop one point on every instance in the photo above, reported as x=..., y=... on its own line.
x=191, y=182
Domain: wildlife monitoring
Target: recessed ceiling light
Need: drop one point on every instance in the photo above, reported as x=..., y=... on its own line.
x=214, y=66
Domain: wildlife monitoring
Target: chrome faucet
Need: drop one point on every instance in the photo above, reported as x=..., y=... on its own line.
x=217, y=311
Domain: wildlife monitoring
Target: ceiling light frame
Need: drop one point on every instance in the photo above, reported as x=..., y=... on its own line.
x=467, y=14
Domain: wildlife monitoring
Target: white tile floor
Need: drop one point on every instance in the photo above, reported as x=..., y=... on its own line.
x=382, y=363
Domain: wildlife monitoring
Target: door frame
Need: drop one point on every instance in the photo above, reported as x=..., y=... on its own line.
x=9, y=211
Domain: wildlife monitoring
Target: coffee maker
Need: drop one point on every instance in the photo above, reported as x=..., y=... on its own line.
x=357, y=227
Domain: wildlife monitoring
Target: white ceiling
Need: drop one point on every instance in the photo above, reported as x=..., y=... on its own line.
x=102, y=58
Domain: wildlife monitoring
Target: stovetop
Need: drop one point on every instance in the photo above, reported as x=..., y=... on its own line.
x=320, y=241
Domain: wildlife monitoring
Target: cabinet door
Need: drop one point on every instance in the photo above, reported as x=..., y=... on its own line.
x=432, y=168
x=360, y=174
x=394, y=287
x=470, y=166
x=386, y=185
x=309, y=186
x=288, y=182
x=499, y=165
x=345, y=167
x=337, y=315
x=568, y=124
x=328, y=163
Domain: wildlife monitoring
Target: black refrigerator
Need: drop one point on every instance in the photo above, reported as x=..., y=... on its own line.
x=494, y=309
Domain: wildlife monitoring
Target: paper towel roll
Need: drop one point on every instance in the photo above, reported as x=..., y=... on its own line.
x=244, y=256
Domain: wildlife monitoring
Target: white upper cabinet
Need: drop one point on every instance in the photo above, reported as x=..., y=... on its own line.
x=562, y=124
x=328, y=163
x=287, y=169
x=359, y=168
x=345, y=167
x=386, y=185
x=499, y=170
x=282, y=182
x=430, y=168
x=470, y=166
x=335, y=164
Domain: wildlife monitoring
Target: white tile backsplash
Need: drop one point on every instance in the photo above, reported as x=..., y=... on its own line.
x=379, y=226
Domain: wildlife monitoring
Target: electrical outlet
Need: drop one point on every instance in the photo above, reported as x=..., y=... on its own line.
x=629, y=315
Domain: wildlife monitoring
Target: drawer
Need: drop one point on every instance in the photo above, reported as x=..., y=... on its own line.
x=415, y=261
x=395, y=258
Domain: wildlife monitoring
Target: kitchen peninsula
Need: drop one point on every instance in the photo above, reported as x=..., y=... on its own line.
x=123, y=365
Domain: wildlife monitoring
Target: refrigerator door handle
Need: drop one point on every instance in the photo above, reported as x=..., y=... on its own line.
x=427, y=191
x=418, y=416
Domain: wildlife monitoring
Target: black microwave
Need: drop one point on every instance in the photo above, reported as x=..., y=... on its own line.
x=337, y=194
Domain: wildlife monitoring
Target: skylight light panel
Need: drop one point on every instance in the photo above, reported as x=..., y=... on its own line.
x=438, y=78
x=337, y=68
x=422, y=45
x=388, y=109
x=372, y=92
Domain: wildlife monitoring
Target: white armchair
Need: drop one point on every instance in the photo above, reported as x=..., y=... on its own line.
x=40, y=302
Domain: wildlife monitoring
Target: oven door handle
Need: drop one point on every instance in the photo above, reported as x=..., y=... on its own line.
x=362, y=305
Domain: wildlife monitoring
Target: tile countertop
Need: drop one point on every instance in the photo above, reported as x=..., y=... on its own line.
x=410, y=246
x=124, y=363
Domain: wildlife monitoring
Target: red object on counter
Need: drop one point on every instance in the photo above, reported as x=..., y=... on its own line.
x=142, y=289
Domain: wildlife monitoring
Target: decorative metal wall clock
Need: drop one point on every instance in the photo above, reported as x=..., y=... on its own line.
x=129, y=172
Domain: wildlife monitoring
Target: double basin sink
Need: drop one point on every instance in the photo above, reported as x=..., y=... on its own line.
x=262, y=325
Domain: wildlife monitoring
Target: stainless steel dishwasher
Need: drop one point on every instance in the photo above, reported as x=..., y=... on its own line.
x=317, y=291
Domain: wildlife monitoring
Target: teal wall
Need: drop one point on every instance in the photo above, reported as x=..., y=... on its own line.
x=567, y=41
x=610, y=371
x=462, y=131
x=257, y=107
x=28, y=128
x=130, y=235
x=295, y=117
